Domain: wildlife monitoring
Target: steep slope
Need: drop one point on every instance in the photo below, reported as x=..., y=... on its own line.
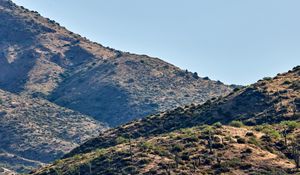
x=40, y=58
x=35, y=131
x=180, y=142
x=268, y=101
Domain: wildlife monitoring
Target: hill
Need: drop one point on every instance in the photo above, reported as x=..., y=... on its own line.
x=40, y=58
x=35, y=131
x=190, y=140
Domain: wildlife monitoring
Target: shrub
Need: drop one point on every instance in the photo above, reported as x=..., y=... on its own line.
x=273, y=133
x=146, y=146
x=160, y=151
x=217, y=145
x=195, y=75
x=236, y=124
x=269, y=131
x=267, y=78
x=191, y=138
x=185, y=156
x=218, y=125
x=237, y=89
x=286, y=82
x=260, y=127
x=247, y=151
x=296, y=85
x=241, y=140
x=250, y=134
x=254, y=141
x=291, y=125
x=178, y=148
x=233, y=163
x=266, y=138
x=121, y=140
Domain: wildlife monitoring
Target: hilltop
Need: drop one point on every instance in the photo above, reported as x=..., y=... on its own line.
x=253, y=130
x=40, y=58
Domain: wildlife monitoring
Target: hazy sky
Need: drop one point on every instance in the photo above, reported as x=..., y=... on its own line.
x=235, y=41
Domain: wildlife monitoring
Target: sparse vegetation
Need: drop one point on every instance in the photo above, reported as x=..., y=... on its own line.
x=170, y=153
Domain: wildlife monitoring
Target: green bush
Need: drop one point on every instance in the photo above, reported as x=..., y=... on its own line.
x=178, y=148
x=121, y=140
x=218, y=125
x=146, y=146
x=291, y=125
x=272, y=133
x=236, y=124
x=241, y=140
x=267, y=78
x=254, y=141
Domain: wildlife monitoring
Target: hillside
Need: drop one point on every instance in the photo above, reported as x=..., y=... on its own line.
x=236, y=151
x=35, y=131
x=152, y=145
x=40, y=58
x=267, y=101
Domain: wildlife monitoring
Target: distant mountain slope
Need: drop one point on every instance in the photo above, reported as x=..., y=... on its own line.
x=271, y=100
x=35, y=131
x=41, y=58
x=180, y=141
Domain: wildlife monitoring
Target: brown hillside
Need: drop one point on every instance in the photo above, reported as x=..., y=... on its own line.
x=40, y=58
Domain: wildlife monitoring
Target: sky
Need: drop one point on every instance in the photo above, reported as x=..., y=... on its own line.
x=234, y=41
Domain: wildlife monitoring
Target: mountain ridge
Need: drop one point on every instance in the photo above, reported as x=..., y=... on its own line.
x=41, y=58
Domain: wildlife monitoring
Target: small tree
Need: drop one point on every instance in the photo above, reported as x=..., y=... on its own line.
x=127, y=139
x=209, y=132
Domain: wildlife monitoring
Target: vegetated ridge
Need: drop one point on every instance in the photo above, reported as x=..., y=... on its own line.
x=253, y=130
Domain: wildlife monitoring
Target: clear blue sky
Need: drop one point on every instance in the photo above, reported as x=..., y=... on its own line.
x=235, y=41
